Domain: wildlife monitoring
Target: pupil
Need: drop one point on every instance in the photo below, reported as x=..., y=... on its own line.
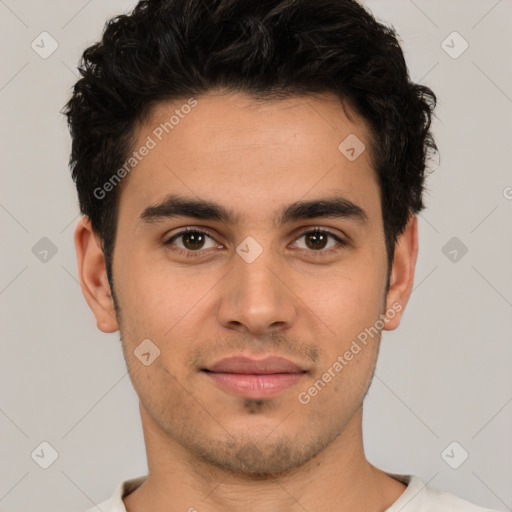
x=318, y=240
x=193, y=240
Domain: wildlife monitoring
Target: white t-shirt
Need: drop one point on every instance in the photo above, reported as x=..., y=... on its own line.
x=418, y=497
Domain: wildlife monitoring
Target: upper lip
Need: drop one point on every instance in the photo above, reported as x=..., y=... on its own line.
x=247, y=365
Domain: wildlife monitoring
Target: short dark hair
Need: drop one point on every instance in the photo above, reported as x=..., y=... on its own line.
x=271, y=49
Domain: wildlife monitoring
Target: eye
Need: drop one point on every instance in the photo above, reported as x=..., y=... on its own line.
x=317, y=240
x=190, y=240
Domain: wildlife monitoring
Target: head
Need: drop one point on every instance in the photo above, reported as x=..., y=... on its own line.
x=244, y=110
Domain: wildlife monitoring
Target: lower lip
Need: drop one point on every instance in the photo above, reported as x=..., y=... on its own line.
x=255, y=385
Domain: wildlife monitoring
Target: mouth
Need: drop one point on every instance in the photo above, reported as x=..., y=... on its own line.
x=252, y=378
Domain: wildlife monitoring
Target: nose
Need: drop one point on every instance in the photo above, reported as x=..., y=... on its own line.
x=256, y=298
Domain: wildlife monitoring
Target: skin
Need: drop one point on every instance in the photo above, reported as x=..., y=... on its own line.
x=227, y=452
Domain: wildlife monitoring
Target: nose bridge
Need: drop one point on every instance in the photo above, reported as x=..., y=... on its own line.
x=258, y=277
x=256, y=297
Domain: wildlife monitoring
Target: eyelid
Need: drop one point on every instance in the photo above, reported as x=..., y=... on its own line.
x=189, y=229
x=321, y=229
x=342, y=241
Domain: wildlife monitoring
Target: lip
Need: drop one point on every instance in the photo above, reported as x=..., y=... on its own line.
x=255, y=378
x=248, y=365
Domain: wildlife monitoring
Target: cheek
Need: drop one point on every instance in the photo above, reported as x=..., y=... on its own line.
x=158, y=297
x=340, y=385
x=352, y=301
x=163, y=391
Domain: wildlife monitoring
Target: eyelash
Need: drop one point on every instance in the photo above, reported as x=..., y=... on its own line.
x=195, y=254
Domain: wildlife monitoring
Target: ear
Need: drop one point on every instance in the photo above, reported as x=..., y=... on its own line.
x=402, y=274
x=93, y=276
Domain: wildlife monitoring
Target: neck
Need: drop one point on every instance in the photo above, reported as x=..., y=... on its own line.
x=339, y=478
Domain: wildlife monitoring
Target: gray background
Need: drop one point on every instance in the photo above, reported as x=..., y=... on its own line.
x=444, y=376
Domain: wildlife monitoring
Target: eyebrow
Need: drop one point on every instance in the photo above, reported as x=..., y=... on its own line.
x=179, y=206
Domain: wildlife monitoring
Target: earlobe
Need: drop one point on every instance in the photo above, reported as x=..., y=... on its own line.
x=402, y=274
x=93, y=276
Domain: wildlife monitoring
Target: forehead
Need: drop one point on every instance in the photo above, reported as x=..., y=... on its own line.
x=251, y=153
x=227, y=121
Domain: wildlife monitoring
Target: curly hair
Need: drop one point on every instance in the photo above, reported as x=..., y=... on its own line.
x=166, y=50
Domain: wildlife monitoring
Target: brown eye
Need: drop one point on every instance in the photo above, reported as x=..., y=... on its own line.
x=316, y=239
x=191, y=240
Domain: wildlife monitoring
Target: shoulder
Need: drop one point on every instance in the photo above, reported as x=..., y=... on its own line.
x=421, y=497
x=115, y=502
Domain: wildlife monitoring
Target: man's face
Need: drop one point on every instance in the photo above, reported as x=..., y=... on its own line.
x=211, y=294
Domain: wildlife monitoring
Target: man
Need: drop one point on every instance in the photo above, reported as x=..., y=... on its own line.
x=250, y=174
